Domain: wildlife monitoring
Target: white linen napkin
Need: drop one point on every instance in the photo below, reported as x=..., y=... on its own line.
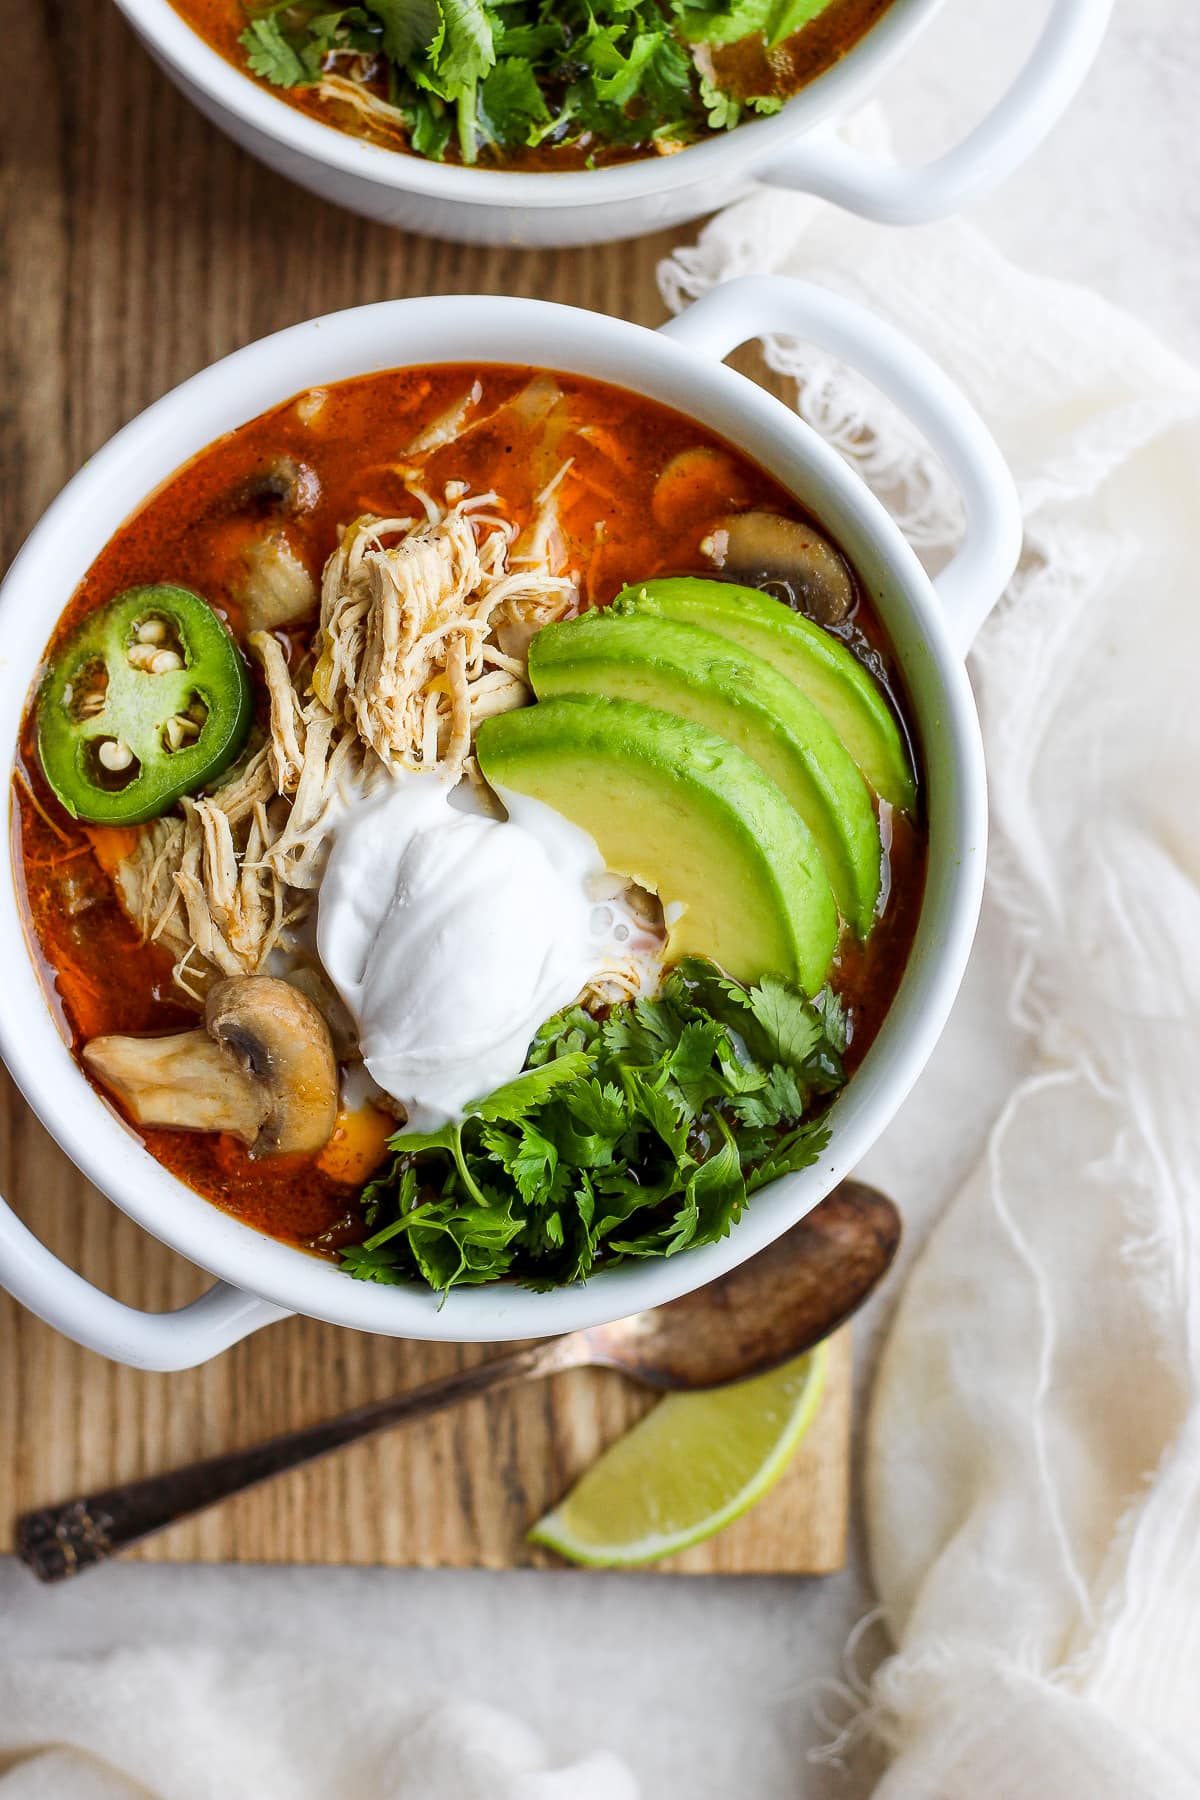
x=1033, y=1458
x=171, y=1724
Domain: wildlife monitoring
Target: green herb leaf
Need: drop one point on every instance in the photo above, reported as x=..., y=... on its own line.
x=721, y=109
x=530, y=1158
x=658, y=1111
x=799, y=1150
x=600, y=1109
x=511, y=102
x=637, y=1136
x=516, y=1098
x=271, y=55
x=696, y=1085
x=374, y=1265
x=444, y=1138
x=410, y=28
x=789, y=1022
x=431, y=124
x=786, y=17
x=718, y=22
x=465, y=51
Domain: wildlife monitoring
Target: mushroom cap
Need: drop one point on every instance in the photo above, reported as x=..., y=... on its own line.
x=278, y=1038
x=768, y=550
x=286, y=485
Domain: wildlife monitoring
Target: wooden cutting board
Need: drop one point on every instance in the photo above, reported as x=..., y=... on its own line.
x=138, y=245
x=459, y=1490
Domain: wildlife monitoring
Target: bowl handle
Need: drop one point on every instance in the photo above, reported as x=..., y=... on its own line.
x=972, y=582
x=824, y=165
x=161, y=1341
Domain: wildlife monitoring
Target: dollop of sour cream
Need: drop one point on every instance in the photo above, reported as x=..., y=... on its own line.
x=452, y=935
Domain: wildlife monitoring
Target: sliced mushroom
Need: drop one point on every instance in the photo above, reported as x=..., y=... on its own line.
x=262, y=1068
x=185, y=1082
x=287, y=484
x=281, y=1041
x=275, y=588
x=787, y=557
x=694, y=484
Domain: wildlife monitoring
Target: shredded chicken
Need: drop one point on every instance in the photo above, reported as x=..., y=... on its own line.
x=614, y=984
x=422, y=629
x=373, y=108
x=447, y=428
x=408, y=630
x=197, y=884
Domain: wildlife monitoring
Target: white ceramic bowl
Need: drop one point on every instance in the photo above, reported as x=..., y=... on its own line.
x=930, y=625
x=795, y=149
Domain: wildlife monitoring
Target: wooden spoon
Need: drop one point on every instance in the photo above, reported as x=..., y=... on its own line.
x=772, y=1308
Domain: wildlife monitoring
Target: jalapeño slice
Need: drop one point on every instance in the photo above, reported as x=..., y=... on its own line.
x=148, y=700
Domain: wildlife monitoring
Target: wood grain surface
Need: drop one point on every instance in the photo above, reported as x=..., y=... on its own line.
x=136, y=245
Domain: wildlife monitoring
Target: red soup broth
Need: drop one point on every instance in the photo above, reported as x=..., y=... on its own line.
x=645, y=488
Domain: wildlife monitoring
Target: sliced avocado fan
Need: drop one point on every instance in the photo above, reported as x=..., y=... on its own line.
x=688, y=815
x=824, y=669
x=696, y=674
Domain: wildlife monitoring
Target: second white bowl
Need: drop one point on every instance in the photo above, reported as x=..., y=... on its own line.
x=797, y=148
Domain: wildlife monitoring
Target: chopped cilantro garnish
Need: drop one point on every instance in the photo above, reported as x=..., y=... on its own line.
x=615, y=74
x=639, y=1134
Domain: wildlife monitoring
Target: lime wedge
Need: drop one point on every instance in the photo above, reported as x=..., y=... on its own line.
x=686, y=1470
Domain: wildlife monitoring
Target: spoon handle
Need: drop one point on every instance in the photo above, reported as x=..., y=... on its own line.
x=63, y=1540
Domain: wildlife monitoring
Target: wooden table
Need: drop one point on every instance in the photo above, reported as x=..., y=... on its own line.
x=138, y=245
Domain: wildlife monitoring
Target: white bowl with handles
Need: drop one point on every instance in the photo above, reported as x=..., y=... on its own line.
x=930, y=624
x=797, y=148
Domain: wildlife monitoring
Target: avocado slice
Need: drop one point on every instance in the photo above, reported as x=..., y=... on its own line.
x=686, y=814
x=686, y=670
x=828, y=673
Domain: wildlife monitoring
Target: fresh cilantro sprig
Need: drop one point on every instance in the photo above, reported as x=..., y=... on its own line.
x=516, y=74
x=639, y=1134
x=716, y=22
x=290, y=45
